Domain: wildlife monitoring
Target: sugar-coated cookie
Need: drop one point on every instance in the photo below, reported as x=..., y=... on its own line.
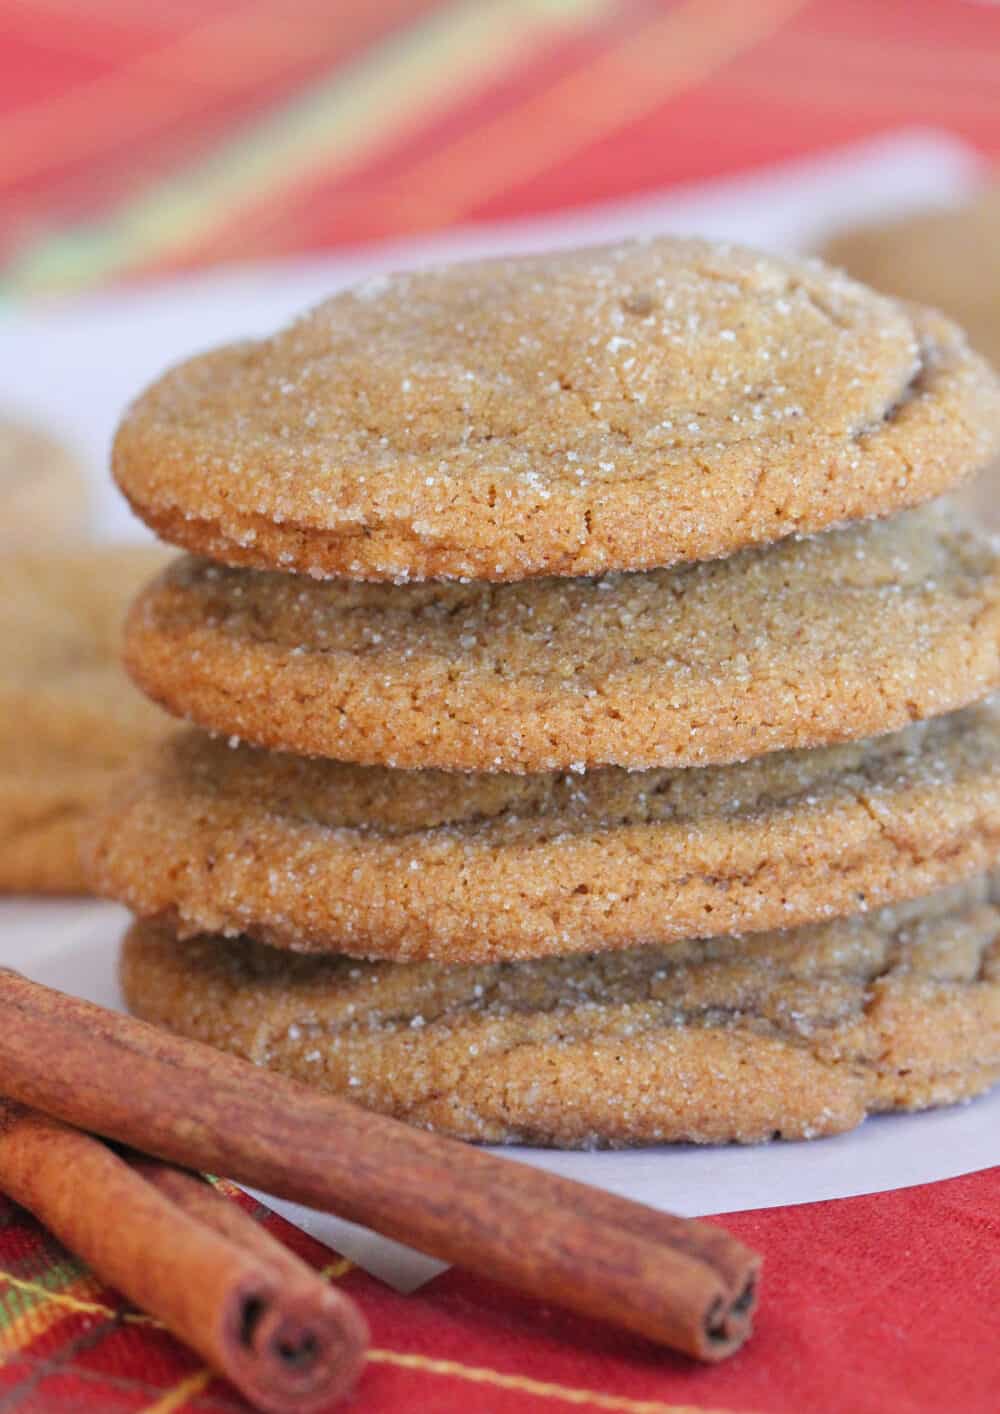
x=623, y=407
x=317, y=856
x=794, y=1034
x=845, y=635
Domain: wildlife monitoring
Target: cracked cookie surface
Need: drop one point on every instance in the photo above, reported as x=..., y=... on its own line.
x=848, y=634
x=617, y=408
x=798, y=1033
x=318, y=856
x=69, y=717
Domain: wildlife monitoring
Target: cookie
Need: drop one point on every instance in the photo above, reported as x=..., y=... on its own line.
x=845, y=635
x=624, y=407
x=949, y=257
x=43, y=490
x=793, y=1034
x=979, y=499
x=69, y=717
x=315, y=855
x=42, y=812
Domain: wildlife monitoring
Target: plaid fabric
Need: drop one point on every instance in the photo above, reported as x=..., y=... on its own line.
x=870, y=1304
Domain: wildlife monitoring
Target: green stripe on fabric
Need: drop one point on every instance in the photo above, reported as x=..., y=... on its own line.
x=427, y=67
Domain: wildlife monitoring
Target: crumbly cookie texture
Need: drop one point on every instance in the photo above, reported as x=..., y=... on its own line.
x=43, y=489
x=69, y=717
x=617, y=408
x=793, y=1034
x=846, y=635
x=314, y=855
x=949, y=258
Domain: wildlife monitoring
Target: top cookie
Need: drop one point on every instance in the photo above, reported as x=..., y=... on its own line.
x=623, y=407
x=949, y=257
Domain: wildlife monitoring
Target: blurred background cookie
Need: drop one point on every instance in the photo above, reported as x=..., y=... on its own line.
x=68, y=715
x=43, y=488
x=950, y=258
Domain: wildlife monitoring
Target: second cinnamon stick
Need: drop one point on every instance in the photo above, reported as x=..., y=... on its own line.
x=275, y=1329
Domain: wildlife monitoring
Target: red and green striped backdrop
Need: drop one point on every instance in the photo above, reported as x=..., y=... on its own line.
x=138, y=137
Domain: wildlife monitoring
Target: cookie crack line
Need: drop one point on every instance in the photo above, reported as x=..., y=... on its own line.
x=672, y=1016
x=911, y=389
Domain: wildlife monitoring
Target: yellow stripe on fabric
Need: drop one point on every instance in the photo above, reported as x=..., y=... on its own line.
x=333, y=1271
x=76, y=1304
x=180, y=1393
x=59, y=1274
x=669, y=54
x=46, y=1307
x=543, y=1389
x=408, y=77
x=29, y=1326
x=401, y=1359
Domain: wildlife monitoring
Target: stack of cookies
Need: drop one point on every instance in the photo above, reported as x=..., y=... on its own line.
x=592, y=741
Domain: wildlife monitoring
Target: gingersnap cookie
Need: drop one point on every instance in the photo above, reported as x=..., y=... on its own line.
x=69, y=717
x=848, y=634
x=786, y=1034
x=623, y=407
x=43, y=490
x=949, y=257
x=319, y=856
x=42, y=812
x=979, y=500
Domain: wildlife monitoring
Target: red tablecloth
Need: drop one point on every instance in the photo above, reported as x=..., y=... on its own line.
x=879, y=1305
x=136, y=138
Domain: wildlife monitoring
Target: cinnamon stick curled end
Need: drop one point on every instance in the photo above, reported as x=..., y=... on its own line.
x=179, y=1250
x=301, y=1350
x=729, y=1320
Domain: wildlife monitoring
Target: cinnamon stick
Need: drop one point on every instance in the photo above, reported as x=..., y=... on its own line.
x=284, y=1337
x=682, y=1283
x=195, y=1196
